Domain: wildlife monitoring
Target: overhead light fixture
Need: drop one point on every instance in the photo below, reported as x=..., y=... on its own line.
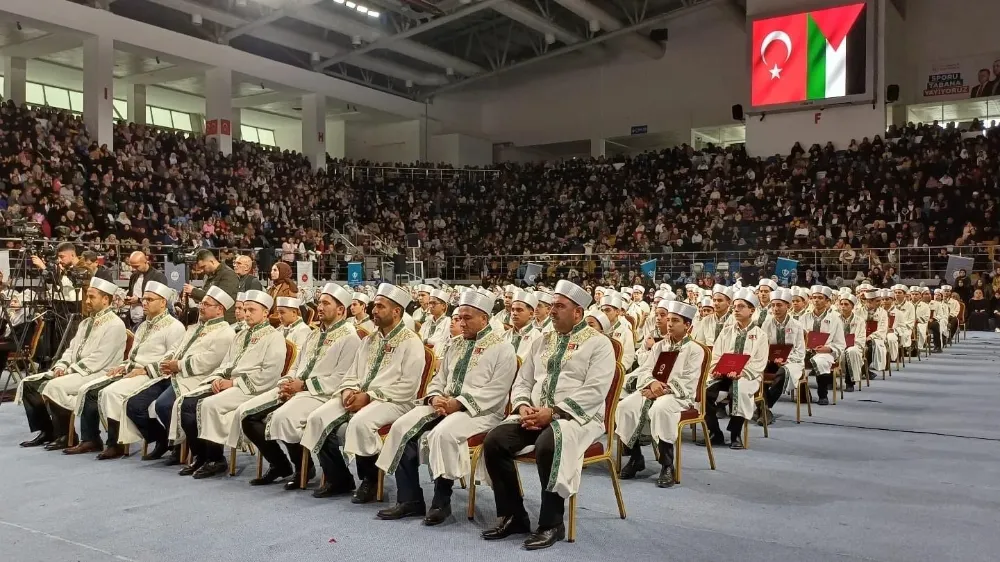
x=339, y=1
x=315, y=56
x=550, y=38
x=449, y=71
x=241, y=3
x=356, y=40
x=350, y=4
x=595, y=26
x=409, y=83
x=362, y=9
x=196, y=19
x=373, y=14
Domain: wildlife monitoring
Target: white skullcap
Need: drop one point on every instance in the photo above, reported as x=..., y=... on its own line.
x=691, y=287
x=658, y=294
x=898, y=287
x=765, y=282
x=394, y=293
x=361, y=297
x=477, y=300
x=783, y=295
x=339, y=294
x=723, y=290
x=220, y=296
x=527, y=298
x=485, y=292
x=870, y=294
x=424, y=288
x=864, y=287
x=104, y=286
x=573, y=292
x=747, y=296
x=160, y=289
x=639, y=289
x=845, y=291
x=261, y=298
x=821, y=290
x=443, y=296
x=885, y=293
x=241, y=296
x=599, y=289
x=706, y=302
x=542, y=296
x=289, y=302
x=800, y=292
x=614, y=301
x=509, y=289
x=914, y=289
x=681, y=309
x=601, y=318
x=925, y=289
x=850, y=298
x=945, y=287
x=669, y=296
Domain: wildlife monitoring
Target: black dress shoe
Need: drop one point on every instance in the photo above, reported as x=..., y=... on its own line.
x=635, y=465
x=850, y=388
x=37, y=441
x=506, y=527
x=330, y=490
x=158, y=451
x=366, y=492
x=545, y=538
x=716, y=442
x=58, y=444
x=174, y=459
x=211, y=469
x=293, y=484
x=272, y=475
x=666, y=477
x=823, y=402
x=401, y=510
x=437, y=515
x=190, y=469
x=737, y=443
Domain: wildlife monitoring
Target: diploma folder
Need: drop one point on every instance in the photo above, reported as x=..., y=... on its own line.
x=665, y=364
x=778, y=352
x=816, y=339
x=871, y=326
x=849, y=339
x=731, y=363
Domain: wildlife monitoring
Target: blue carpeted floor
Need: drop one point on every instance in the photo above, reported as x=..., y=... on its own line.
x=906, y=470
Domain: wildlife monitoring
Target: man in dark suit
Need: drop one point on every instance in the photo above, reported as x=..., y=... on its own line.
x=243, y=265
x=142, y=273
x=993, y=88
x=216, y=275
x=985, y=86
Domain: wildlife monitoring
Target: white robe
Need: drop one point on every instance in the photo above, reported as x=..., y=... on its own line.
x=321, y=363
x=640, y=349
x=904, y=324
x=746, y=385
x=854, y=356
x=921, y=315
x=710, y=327
x=879, y=338
x=97, y=346
x=254, y=364
x=387, y=368
x=298, y=332
x=794, y=336
x=366, y=324
x=574, y=373
x=521, y=339
x=622, y=331
x=545, y=327
x=500, y=321
x=663, y=413
x=436, y=333
x=830, y=323
x=153, y=341
x=940, y=311
x=408, y=322
x=478, y=374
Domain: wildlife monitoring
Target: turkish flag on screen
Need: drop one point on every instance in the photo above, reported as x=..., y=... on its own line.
x=779, y=59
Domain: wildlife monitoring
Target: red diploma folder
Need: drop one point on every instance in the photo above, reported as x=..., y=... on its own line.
x=892, y=320
x=730, y=363
x=870, y=327
x=778, y=352
x=816, y=339
x=664, y=364
x=849, y=338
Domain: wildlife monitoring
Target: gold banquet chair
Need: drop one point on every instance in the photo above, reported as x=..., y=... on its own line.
x=694, y=417
x=291, y=352
x=476, y=452
x=129, y=339
x=599, y=452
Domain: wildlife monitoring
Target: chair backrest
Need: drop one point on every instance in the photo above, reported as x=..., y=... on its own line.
x=310, y=314
x=362, y=333
x=700, y=395
x=430, y=364
x=36, y=338
x=961, y=311
x=291, y=352
x=617, y=346
x=631, y=321
x=611, y=404
x=417, y=326
x=129, y=338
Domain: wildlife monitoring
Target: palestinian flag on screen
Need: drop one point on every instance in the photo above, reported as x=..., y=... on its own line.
x=810, y=56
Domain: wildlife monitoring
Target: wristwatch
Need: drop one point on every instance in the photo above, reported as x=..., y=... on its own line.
x=556, y=415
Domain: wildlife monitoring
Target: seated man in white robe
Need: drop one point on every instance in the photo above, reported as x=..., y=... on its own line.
x=194, y=357
x=822, y=358
x=905, y=322
x=598, y=321
x=436, y=324
x=852, y=361
x=660, y=403
x=104, y=398
x=380, y=386
x=542, y=321
x=878, y=318
x=886, y=302
x=782, y=329
x=522, y=332
x=935, y=325
x=637, y=308
x=359, y=312
x=49, y=398
x=613, y=306
x=710, y=327
x=279, y=415
x=240, y=323
x=558, y=402
x=764, y=289
x=921, y=316
x=954, y=303
x=655, y=332
x=466, y=397
x=501, y=320
x=422, y=313
x=253, y=366
x=599, y=293
x=740, y=337
x=800, y=302
x=292, y=326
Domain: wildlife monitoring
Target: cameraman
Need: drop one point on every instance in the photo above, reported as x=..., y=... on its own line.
x=14, y=330
x=216, y=275
x=66, y=260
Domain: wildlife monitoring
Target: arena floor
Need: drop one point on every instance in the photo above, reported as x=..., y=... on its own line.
x=905, y=471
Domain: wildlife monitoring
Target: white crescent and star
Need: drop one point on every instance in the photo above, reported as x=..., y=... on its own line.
x=770, y=38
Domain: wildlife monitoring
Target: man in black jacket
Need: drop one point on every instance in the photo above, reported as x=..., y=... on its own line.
x=243, y=265
x=142, y=273
x=216, y=275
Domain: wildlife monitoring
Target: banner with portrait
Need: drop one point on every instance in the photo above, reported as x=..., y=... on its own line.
x=975, y=76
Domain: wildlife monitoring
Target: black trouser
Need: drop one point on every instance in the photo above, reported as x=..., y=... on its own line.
x=735, y=425
x=335, y=467
x=824, y=381
x=253, y=429
x=408, y=473
x=90, y=420
x=952, y=327
x=499, y=449
x=934, y=329
x=204, y=451
x=35, y=410
x=152, y=428
x=773, y=391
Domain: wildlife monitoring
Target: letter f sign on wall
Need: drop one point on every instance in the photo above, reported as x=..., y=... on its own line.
x=816, y=117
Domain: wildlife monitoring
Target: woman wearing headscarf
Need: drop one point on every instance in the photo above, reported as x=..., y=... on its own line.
x=282, y=285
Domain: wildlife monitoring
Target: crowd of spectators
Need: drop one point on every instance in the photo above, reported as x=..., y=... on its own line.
x=868, y=211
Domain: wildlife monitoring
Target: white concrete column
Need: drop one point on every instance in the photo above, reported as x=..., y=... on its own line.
x=597, y=148
x=422, y=138
x=15, y=79
x=314, y=129
x=99, y=89
x=136, y=97
x=335, y=132
x=219, y=108
x=237, y=121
